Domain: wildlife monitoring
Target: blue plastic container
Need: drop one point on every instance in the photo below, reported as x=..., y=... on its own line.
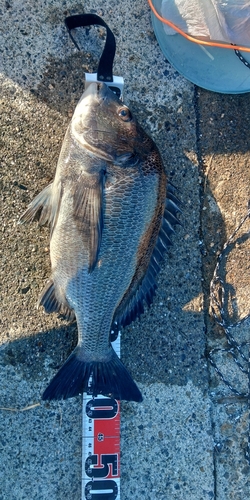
x=212, y=68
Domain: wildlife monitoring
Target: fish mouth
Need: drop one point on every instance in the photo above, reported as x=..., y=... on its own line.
x=101, y=90
x=96, y=92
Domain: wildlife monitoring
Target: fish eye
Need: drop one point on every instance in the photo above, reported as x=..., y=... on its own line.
x=125, y=114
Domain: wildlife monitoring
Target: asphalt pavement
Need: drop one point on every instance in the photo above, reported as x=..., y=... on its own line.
x=188, y=438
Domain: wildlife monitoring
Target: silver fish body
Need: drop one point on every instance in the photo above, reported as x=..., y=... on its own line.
x=110, y=223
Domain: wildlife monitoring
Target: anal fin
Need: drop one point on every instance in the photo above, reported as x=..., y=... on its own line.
x=51, y=304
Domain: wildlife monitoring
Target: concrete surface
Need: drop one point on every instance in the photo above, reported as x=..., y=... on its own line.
x=188, y=438
x=223, y=146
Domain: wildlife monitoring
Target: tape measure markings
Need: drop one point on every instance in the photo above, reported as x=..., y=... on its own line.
x=101, y=445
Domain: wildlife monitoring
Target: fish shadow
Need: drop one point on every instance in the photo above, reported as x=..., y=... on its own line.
x=39, y=355
x=63, y=82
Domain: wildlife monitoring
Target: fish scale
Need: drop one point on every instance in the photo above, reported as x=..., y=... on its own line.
x=100, y=292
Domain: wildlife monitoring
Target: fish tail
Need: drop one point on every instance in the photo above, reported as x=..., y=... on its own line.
x=79, y=375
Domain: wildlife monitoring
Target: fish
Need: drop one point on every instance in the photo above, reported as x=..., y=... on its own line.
x=111, y=213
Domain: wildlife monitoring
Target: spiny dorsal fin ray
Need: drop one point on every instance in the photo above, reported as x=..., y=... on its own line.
x=146, y=290
x=88, y=212
x=167, y=227
x=171, y=196
x=172, y=219
x=172, y=207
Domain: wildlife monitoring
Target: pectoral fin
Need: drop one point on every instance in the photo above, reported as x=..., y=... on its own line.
x=46, y=204
x=88, y=213
x=41, y=202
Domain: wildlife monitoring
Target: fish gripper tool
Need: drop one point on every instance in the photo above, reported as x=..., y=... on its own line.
x=105, y=68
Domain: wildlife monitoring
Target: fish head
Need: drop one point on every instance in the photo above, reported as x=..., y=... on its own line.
x=105, y=126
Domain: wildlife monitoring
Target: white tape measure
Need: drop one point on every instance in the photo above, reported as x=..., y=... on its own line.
x=101, y=445
x=101, y=416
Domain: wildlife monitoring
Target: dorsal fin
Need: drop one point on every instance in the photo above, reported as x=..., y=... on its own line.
x=146, y=290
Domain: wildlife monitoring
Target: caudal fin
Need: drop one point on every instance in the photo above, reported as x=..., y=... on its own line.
x=78, y=375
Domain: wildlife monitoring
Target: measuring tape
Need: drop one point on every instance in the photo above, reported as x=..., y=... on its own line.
x=101, y=415
x=101, y=446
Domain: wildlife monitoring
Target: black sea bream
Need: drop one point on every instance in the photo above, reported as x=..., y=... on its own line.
x=111, y=216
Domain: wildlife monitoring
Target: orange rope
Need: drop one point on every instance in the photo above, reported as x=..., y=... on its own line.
x=196, y=40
